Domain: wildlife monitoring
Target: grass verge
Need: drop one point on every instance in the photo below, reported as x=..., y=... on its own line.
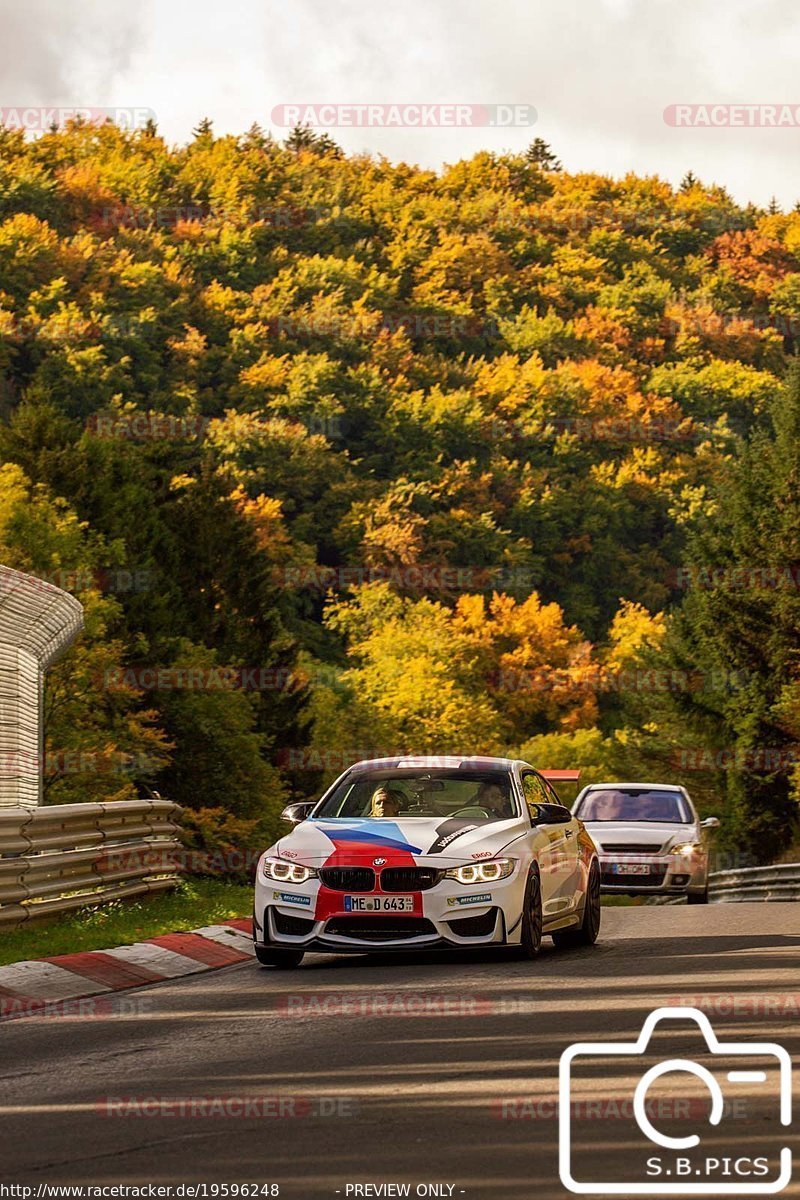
x=193, y=903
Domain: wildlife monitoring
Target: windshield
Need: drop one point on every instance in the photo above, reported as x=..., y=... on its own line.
x=407, y=794
x=646, y=804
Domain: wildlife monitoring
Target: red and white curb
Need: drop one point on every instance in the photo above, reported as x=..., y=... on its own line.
x=28, y=988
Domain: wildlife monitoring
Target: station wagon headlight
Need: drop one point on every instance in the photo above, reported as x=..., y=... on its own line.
x=687, y=848
x=281, y=871
x=484, y=872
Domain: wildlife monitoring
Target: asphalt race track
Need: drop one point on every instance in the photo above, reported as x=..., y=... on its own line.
x=461, y=1096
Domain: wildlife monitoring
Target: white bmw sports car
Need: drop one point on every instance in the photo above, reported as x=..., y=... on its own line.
x=425, y=853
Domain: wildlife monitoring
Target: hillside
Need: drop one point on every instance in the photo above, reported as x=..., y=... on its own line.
x=346, y=456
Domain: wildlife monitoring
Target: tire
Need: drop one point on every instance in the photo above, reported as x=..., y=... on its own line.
x=586, y=933
x=531, y=934
x=697, y=897
x=283, y=960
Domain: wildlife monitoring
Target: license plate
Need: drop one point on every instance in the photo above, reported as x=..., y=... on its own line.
x=379, y=904
x=630, y=868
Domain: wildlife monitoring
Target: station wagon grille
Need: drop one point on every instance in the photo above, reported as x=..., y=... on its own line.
x=632, y=847
x=653, y=880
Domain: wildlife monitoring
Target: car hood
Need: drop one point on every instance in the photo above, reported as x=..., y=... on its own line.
x=639, y=833
x=443, y=839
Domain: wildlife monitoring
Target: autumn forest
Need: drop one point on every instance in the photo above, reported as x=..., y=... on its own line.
x=345, y=457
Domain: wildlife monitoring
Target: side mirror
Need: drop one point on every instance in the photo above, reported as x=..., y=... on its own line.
x=295, y=813
x=551, y=814
x=710, y=823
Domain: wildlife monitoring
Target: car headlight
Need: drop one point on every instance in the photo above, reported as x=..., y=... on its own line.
x=484, y=872
x=281, y=871
x=687, y=848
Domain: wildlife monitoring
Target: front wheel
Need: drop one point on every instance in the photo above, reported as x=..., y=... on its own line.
x=284, y=960
x=697, y=897
x=586, y=933
x=531, y=934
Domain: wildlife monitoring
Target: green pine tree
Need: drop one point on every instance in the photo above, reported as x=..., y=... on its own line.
x=739, y=630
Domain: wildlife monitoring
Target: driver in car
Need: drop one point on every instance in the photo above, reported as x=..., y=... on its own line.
x=491, y=797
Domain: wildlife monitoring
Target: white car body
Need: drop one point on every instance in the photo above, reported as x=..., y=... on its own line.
x=650, y=857
x=399, y=865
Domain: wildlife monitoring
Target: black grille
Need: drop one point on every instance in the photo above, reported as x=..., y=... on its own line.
x=480, y=926
x=348, y=879
x=409, y=879
x=379, y=929
x=291, y=926
x=654, y=878
x=631, y=848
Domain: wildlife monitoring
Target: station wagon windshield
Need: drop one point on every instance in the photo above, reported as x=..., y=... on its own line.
x=651, y=804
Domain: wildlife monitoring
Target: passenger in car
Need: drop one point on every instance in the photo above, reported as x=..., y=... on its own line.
x=607, y=807
x=386, y=802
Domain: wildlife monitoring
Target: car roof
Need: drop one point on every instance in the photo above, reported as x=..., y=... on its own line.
x=438, y=762
x=662, y=787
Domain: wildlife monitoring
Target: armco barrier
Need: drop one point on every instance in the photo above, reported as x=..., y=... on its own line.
x=72, y=855
x=778, y=882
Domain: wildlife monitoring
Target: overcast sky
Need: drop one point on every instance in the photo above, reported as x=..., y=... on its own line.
x=599, y=73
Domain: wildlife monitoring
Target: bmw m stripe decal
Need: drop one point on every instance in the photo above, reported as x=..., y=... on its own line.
x=379, y=833
x=390, y=836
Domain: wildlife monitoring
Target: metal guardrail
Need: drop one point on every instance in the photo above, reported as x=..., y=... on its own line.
x=71, y=856
x=778, y=882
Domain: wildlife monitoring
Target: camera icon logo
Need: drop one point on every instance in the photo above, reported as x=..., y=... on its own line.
x=670, y=1164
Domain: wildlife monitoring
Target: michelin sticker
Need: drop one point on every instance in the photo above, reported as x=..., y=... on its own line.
x=287, y=898
x=469, y=899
